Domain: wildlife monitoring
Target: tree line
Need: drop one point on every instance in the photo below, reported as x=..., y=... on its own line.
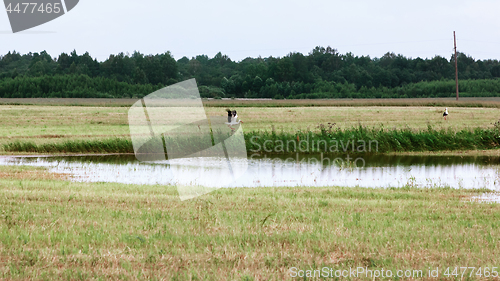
x=322, y=73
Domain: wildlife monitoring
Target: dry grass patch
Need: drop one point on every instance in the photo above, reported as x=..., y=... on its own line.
x=46, y=124
x=51, y=229
x=29, y=173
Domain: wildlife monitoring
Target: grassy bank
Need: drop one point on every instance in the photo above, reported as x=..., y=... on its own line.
x=115, y=145
x=372, y=140
x=328, y=140
x=86, y=129
x=54, y=229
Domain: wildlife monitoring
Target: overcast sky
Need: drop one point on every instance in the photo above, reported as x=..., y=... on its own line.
x=255, y=28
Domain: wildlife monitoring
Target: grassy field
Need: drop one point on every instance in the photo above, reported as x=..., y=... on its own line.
x=51, y=229
x=43, y=124
x=428, y=102
x=433, y=102
x=47, y=125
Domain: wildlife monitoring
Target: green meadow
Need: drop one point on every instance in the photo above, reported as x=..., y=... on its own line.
x=51, y=228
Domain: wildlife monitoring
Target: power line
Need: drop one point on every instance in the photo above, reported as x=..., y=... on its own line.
x=477, y=41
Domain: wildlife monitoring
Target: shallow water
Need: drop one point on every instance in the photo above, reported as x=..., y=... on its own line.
x=284, y=170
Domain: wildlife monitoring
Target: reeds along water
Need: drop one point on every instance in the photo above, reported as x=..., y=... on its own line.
x=115, y=145
x=365, y=140
x=326, y=140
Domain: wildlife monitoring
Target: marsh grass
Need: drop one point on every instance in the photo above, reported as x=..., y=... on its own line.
x=372, y=140
x=55, y=229
x=328, y=140
x=115, y=145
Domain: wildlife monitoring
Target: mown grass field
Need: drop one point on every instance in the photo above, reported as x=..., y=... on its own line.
x=43, y=124
x=53, y=229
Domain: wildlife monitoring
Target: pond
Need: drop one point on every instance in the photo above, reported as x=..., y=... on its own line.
x=279, y=170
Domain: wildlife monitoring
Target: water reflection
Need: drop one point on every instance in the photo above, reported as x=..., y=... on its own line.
x=283, y=170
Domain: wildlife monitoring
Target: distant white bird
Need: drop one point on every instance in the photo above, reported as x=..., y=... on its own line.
x=445, y=113
x=233, y=119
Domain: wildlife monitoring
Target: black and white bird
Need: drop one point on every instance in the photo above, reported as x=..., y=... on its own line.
x=232, y=119
x=445, y=113
x=235, y=117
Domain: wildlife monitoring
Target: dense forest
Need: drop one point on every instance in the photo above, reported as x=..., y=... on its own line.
x=323, y=73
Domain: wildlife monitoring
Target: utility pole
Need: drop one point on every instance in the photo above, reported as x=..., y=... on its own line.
x=456, y=67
